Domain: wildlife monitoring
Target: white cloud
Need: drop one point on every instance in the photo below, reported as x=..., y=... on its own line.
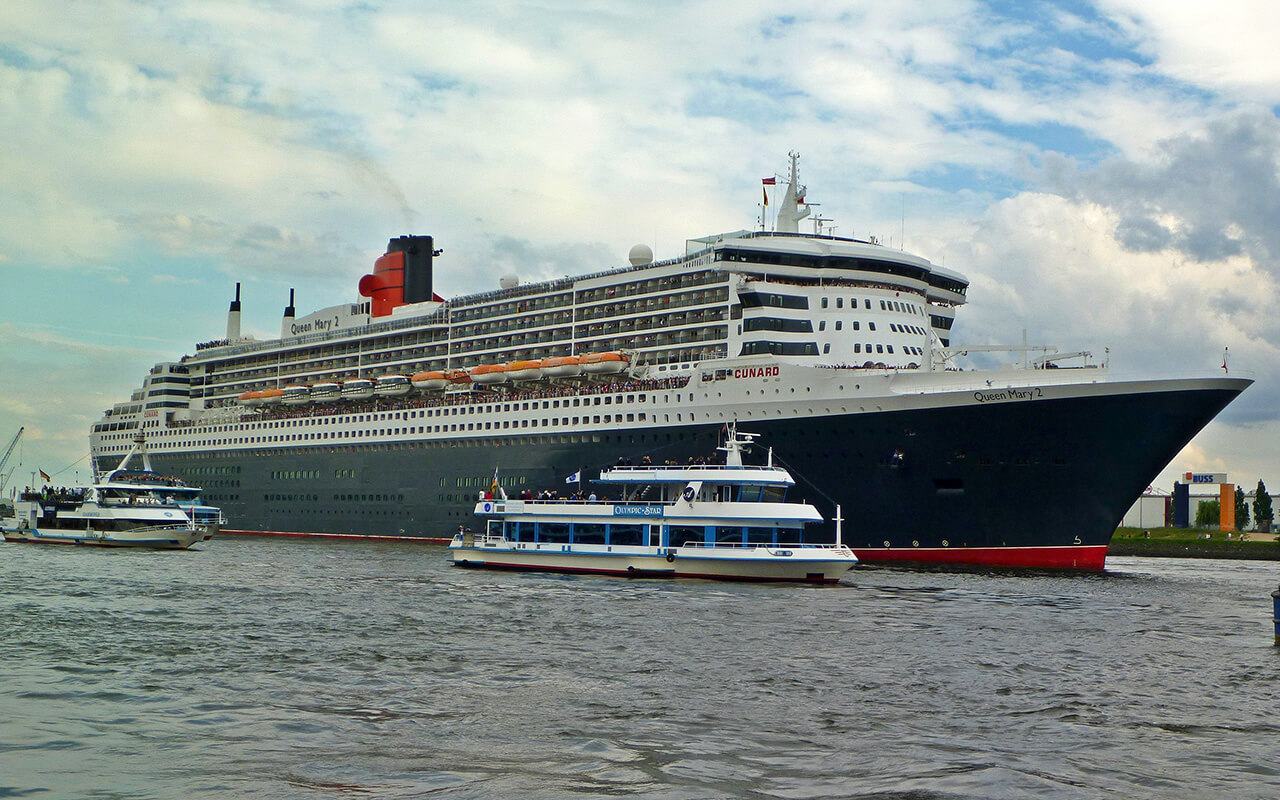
x=284, y=144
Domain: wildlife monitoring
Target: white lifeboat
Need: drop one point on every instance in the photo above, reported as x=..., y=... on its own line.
x=604, y=363
x=429, y=381
x=326, y=392
x=488, y=374
x=392, y=386
x=296, y=395
x=524, y=370
x=561, y=366
x=357, y=389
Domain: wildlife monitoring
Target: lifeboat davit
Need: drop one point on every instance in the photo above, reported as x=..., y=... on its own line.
x=272, y=395
x=524, y=370
x=561, y=366
x=326, y=392
x=429, y=381
x=296, y=395
x=357, y=389
x=604, y=363
x=392, y=386
x=457, y=376
x=488, y=374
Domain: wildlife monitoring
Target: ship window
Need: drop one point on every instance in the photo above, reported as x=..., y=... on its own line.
x=839, y=302
x=879, y=348
x=822, y=326
x=890, y=347
x=826, y=348
x=839, y=324
x=871, y=326
x=824, y=302
x=867, y=303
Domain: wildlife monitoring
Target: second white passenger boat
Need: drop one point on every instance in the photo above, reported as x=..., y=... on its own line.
x=726, y=521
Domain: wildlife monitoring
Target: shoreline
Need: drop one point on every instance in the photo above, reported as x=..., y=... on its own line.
x=1172, y=543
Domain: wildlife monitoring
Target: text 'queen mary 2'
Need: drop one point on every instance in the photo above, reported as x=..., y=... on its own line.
x=387, y=416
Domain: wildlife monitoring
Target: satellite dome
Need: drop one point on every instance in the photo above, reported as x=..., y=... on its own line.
x=509, y=281
x=640, y=255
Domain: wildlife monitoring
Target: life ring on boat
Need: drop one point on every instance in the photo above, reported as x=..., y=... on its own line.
x=671, y=557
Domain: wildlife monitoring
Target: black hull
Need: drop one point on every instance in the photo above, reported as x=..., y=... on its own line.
x=1042, y=483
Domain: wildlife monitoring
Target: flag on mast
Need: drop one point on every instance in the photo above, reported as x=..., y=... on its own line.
x=574, y=478
x=44, y=476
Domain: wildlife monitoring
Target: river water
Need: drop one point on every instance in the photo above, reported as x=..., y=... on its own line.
x=266, y=668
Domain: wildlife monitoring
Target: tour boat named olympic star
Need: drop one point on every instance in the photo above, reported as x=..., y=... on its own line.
x=726, y=521
x=838, y=351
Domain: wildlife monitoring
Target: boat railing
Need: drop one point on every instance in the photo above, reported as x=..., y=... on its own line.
x=758, y=545
x=723, y=467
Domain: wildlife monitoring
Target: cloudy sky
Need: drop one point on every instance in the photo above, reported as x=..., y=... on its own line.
x=1106, y=173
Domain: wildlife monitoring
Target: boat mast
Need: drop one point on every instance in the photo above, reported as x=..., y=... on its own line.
x=793, y=207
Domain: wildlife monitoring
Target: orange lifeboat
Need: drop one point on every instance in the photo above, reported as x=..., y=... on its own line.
x=429, y=381
x=489, y=374
x=272, y=395
x=604, y=363
x=457, y=376
x=561, y=366
x=524, y=370
x=250, y=399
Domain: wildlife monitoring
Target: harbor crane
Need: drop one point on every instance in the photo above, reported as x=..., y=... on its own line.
x=4, y=459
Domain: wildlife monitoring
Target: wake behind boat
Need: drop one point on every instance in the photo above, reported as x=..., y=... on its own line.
x=726, y=521
x=127, y=508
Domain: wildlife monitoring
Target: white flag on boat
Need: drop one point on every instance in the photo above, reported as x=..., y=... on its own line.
x=574, y=478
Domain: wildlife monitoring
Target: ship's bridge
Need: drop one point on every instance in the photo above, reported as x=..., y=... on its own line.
x=800, y=254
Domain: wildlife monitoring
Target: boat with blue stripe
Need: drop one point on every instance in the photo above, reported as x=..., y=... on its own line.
x=727, y=521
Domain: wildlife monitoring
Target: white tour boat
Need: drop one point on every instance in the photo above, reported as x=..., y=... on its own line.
x=126, y=508
x=728, y=521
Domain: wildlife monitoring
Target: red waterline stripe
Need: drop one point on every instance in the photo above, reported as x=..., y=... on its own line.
x=305, y=535
x=1087, y=557
x=639, y=573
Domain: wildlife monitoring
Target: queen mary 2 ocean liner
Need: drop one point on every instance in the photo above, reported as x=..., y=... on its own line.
x=388, y=415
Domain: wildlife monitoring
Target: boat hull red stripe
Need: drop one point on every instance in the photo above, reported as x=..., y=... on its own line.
x=639, y=573
x=1083, y=557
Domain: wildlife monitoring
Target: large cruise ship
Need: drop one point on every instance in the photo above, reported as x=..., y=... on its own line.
x=386, y=416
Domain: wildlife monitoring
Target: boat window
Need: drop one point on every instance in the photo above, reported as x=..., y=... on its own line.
x=773, y=494
x=759, y=535
x=728, y=534
x=553, y=532
x=588, y=532
x=631, y=535
x=680, y=536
